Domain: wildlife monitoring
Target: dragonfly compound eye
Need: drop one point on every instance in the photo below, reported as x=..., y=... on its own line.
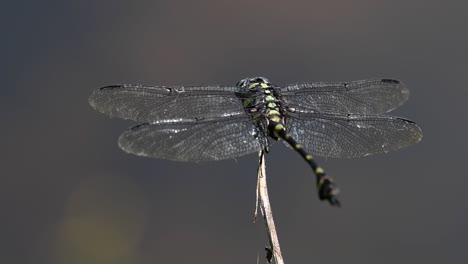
x=262, y=79
x=243, y=82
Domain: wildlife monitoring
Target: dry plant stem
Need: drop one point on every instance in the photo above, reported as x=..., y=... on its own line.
x=265, y=208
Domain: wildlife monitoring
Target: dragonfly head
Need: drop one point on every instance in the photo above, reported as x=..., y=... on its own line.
x=248, y=81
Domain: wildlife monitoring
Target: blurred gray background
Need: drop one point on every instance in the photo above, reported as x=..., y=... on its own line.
x=69, y=195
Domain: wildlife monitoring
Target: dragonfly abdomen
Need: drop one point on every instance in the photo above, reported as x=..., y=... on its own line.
x=278, y=130
x=326, y=188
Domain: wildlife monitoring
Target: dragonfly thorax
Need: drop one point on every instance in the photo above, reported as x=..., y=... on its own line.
x=262, y=101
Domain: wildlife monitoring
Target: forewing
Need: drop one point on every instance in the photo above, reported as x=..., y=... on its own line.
x=374, y=96
x=349, y=136
x=192, y=140
x=152, y=103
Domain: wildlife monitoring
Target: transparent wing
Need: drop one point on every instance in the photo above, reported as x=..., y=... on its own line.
x=349, y=136
x=359, y=97
x=191, y=140
x=152, y=103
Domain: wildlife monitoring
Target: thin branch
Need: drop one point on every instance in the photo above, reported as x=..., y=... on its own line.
x=262, y=199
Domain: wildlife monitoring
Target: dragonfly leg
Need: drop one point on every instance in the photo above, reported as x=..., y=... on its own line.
x=327, y=189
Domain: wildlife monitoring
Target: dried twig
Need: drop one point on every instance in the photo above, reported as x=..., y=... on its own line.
x=274, y=250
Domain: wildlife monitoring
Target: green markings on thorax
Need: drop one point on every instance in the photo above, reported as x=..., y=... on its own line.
x=247, y=102
x=275, y=118
x=253, y=85
x=273, y=112
x=270, y=98
x=272, y=107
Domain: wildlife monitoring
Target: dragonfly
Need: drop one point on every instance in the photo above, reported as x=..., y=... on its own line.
x=210, y=123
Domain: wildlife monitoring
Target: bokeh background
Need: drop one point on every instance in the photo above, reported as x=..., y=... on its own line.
x=69, y=195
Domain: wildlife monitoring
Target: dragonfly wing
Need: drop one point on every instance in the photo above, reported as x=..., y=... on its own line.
x=349, y=136
x=374, y=96
x=192, y=140
x=152, y=103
